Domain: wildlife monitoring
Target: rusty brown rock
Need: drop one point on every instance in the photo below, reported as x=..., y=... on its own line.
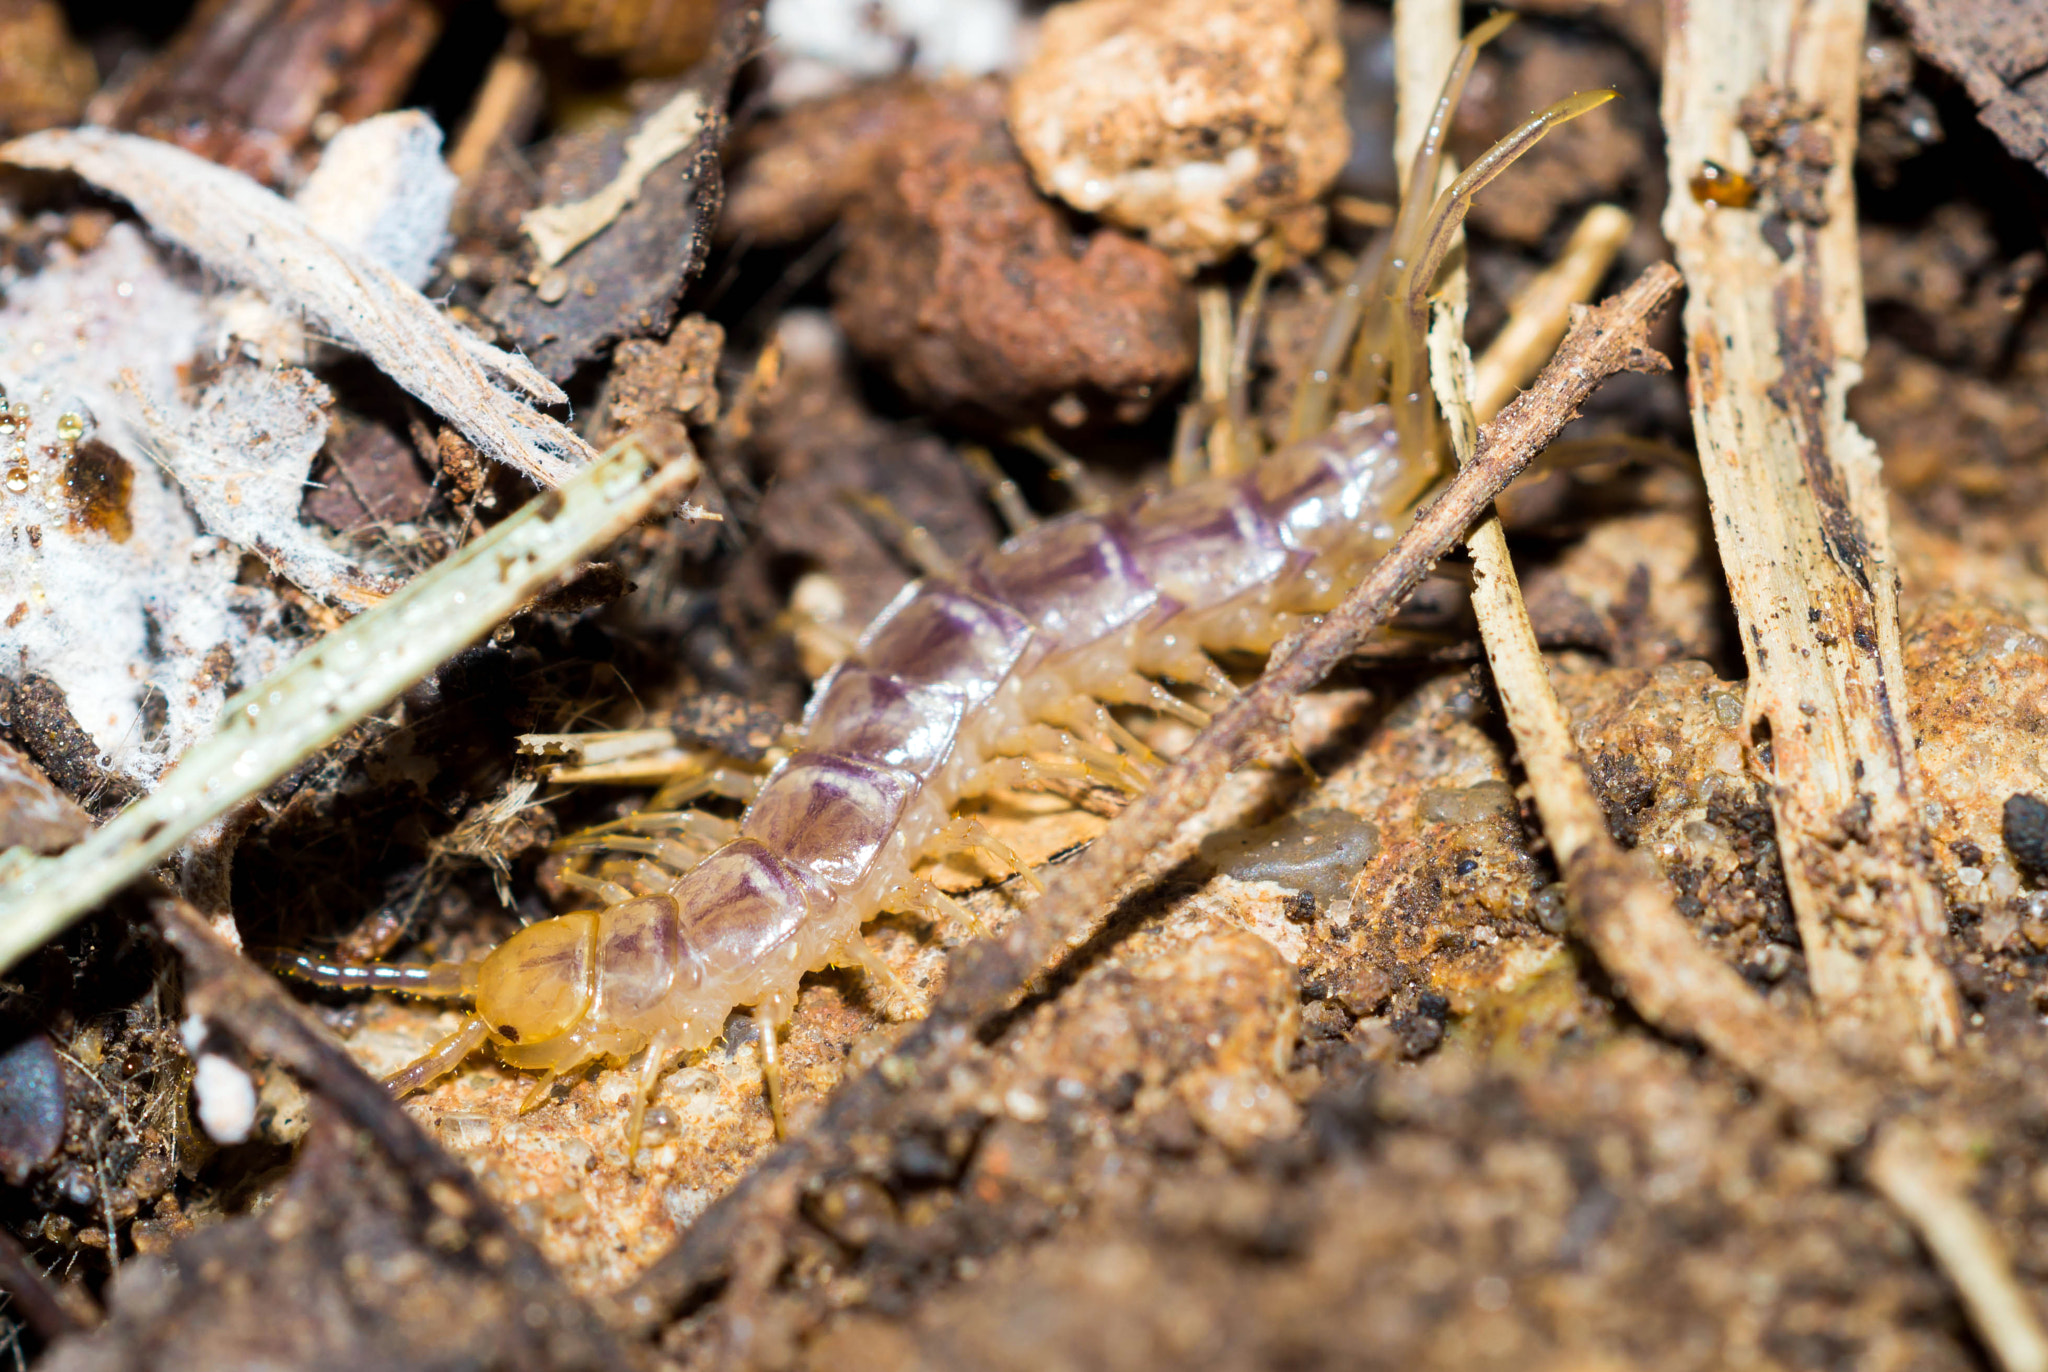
x=795, y=174
x=980, y=298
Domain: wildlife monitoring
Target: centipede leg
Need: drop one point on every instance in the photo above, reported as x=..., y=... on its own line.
x=1133, y=689
x=730, y=782
x=1086, y=712
x=918, y=896
x=914, y=543
x=541, y=1088
x=610, y=892
x=771, y=1067
x=966, y=834
x=862, y=953
x=1088, y=493
x=650, y=1077
x=1044, y=774
x=1009, y=501
x=1063, y=751
x=438, y=1061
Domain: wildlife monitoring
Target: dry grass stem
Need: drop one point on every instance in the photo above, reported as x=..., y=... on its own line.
x=1774, y=330
x=1541, y=310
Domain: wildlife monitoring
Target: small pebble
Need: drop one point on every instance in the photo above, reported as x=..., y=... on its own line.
x=227, y=1099
x=1203, y=124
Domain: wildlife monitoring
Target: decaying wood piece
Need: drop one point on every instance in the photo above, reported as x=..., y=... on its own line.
x=1774, y=329
x=629, y=214
x=249, y=83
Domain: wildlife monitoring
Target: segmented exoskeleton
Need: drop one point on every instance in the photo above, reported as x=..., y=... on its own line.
x=997, y=674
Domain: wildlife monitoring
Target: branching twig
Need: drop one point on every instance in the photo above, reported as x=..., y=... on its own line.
x=1149, y=834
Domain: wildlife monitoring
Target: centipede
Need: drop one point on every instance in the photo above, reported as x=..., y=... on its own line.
x=1001, y=672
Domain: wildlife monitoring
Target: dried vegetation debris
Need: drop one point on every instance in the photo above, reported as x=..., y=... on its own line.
x=623, y=275
x=1361, y=1098
x=257, y=85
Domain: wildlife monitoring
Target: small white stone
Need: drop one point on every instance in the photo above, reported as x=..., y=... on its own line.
x=227, y=1099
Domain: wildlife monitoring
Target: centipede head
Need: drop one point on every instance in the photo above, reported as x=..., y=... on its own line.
x=536, y=985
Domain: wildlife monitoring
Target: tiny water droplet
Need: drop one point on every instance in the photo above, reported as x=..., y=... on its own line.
x=70, y=428
x=17, y=479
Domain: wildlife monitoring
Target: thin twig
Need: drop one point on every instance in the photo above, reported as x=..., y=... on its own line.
x=1149, y=835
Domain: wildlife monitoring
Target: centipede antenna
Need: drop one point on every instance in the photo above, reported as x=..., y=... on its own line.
x=1088, y=494
x=436, y=981
x=1009, y=500
x=913, y=541
x=438, y=1061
